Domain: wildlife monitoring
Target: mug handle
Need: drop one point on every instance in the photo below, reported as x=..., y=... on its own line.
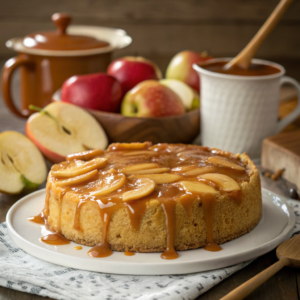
x=8, y=70
x=296, y=112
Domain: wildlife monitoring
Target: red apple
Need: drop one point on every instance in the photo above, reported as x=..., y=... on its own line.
x=151, y=99
x=94, y=91
x=61, y=129
x=181, y=67
x=132, y=70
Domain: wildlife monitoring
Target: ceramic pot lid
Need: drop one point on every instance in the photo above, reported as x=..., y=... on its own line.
x=60, y=40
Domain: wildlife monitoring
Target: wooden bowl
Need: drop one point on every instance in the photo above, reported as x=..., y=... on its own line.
x=175, y=129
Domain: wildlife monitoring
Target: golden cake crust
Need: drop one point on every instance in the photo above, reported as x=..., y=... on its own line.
x=231, y=218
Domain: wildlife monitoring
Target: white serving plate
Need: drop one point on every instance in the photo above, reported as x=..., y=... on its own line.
x=275, y=226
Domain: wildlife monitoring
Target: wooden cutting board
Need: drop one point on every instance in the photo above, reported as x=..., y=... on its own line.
x=282, y=151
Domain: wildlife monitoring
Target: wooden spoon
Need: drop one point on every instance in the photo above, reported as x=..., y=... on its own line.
x=288, y=254
x=243, y=59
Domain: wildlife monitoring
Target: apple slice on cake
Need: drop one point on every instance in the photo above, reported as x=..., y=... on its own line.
x=22, y=166
x=61, y=129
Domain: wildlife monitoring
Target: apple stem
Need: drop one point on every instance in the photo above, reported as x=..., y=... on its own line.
x=33, y=107
x=41, y=110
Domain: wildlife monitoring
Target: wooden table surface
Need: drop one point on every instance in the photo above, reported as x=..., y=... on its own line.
x=285, y=285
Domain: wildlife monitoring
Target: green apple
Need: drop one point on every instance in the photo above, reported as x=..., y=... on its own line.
x=22, y=166
x=188, y=96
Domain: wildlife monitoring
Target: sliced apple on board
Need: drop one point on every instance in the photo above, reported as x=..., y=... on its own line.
x=225, y=182
x=22, y=166
x=146, y=187
x=61, y=129
x=222, y=162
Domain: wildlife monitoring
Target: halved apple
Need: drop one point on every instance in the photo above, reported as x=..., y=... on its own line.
x=22, y=166
x=131, y=169
x=146, y=187
x=80, y=168
x=220, y=161
x=197, y=187
x=158, y=178
x=151, y=171
x=225, y=182
x=76, y=180
x=111, y=184
x=61, y=129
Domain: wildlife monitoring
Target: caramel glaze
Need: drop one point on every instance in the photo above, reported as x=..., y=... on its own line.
x=128, y=253
x=170, y=156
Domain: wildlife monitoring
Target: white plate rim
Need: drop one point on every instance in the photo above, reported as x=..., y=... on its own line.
x=243, y=256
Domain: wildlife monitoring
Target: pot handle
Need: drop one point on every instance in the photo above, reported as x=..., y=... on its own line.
x=296, y=112
x=10, y=66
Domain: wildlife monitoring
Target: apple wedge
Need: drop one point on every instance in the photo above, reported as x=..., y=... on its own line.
x=85, y=155
x=197, y=187
x=129, y=146
x=222, y=162
x=133, y=168
x=61, y=129
x=151, y=171
x=113, y=184
x=225, y=182
x=145, y=152
x=146, y=187
x=76, y=180
x=158, y=178
x=199, y=171
x=80, y=168
x=22, y=166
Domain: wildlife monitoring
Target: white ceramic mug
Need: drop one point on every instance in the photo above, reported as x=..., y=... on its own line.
x=238, y=112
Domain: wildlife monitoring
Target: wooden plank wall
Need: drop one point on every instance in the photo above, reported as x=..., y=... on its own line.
x=161, y=28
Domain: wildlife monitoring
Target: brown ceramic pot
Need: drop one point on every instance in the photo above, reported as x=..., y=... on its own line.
x=47, y=59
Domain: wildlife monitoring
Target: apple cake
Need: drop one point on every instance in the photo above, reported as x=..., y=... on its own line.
x=150, y=198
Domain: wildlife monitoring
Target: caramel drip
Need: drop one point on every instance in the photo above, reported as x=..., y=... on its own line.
x=187, y=202
x=76, y=225
x=39, y=219
x=77, y=248
x=46, y=207
x=129, y=253
x=55, y=239
x=208, y=204
x=102, y=250
x=237, y=196
x=169, y=210
x=136, y=211
x=60, y=196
